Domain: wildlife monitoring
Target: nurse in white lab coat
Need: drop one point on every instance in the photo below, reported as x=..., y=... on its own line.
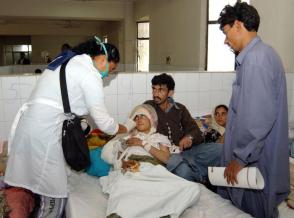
x=36, y=160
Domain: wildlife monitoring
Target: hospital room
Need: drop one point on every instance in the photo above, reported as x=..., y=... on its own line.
x=146, y=109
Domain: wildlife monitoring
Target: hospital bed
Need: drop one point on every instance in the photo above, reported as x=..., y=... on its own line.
x=87, y=200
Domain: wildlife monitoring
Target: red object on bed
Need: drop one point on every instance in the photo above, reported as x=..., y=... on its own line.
x=20, y=201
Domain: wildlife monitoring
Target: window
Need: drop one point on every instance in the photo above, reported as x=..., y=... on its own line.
x=13, y=53
x=219, y=56
x=143, y=46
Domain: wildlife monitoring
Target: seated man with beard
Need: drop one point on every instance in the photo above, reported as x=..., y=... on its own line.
x=191, y=157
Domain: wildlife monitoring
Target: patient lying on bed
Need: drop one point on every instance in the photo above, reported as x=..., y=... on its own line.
x=139, y=185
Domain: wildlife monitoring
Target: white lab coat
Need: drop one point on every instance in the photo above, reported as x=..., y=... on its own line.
x=36, y=159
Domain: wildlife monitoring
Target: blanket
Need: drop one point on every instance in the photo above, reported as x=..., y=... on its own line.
x=151, y=192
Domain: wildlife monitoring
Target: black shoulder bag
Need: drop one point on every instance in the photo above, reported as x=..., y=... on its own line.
x=74, y=144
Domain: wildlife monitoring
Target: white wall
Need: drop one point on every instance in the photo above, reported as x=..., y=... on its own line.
x=174, y=31
x=199, y=91
x=130, y=37
x=30, y=27
x=66, y=9
x=114, y=32
x=276, y=27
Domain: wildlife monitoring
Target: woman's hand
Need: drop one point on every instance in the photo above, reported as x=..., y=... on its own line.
x=121, y=129
x=134, y=142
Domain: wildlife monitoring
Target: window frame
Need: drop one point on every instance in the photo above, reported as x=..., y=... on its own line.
x=137, y=43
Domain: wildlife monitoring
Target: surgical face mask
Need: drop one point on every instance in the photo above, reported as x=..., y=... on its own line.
x=102, y=73
x=105, y=72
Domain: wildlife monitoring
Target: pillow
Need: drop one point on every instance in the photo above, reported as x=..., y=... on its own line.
x=98, y=166
x=204, y=122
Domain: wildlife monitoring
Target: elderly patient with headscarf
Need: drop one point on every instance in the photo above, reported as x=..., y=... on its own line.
x=139, y=185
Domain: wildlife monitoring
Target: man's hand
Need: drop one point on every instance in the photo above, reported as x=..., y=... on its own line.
x=134, y=142
x=185, y=143
x=232, y=171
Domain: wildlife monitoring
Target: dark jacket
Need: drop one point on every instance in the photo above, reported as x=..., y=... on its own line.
x=177, y=123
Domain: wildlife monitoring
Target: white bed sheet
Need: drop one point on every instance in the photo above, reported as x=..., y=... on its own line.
x=87, y=200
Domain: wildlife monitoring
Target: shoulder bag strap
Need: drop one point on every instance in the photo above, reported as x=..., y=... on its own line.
x=64, y=93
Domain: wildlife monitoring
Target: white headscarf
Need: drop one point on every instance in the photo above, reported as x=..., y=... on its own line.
x=215, y=125
x=149, y=112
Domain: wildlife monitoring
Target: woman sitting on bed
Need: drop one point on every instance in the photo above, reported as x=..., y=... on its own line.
x=139, y=186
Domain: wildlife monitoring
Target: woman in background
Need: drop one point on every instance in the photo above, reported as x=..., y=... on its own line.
x=218, y=125
x=36, y=160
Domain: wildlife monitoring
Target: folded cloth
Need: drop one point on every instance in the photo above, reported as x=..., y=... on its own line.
x=145, y=158
x=97, y=138
x=98, y=166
